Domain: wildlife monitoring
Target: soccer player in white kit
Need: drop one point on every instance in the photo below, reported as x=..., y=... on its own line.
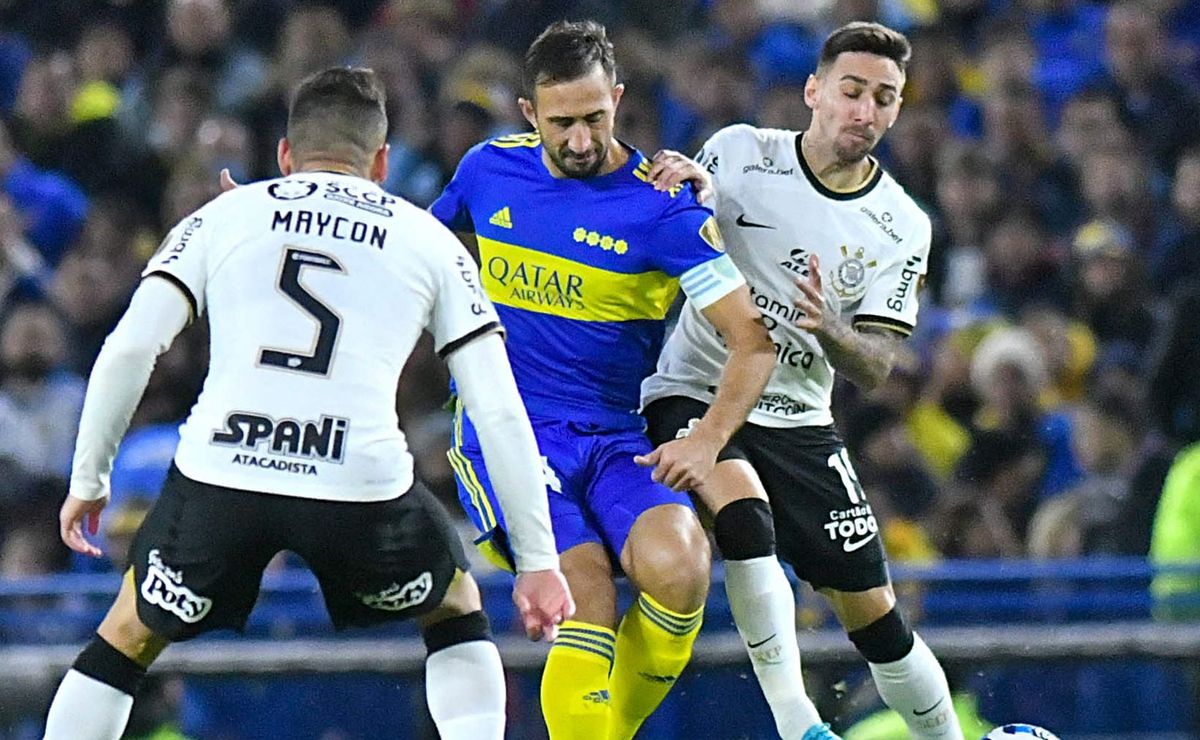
x=316, y=287
x=810, y=213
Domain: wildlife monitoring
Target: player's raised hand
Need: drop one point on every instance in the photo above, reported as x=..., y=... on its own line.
x=545, y=601
x=681, y=464
x=670, y=168
x=227, y=181
x=74, y=515
x=811, y=299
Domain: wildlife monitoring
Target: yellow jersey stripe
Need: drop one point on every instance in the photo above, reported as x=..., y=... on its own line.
x=514, y=141
x=470, y=479
x=456, y=465
x=462, y=466
x=524, y=278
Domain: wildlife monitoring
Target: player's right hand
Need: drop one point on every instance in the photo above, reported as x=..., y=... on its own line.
x=669, y=169
x=75, y=513
x=544, y=600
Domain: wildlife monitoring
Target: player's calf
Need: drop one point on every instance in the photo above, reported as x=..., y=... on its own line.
x=95, y=698
x=575, y=682
x=908, y=676
x=761, y=598
x=462, y=661
x=667, y=557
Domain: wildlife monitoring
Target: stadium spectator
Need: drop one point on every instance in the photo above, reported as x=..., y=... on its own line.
x=39, y=400
x=1160, y=105
x=1176, y=255
x=1110, y=291
x=51, y=206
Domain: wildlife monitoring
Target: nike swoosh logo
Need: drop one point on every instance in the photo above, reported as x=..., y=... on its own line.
x=741, y=221
x=753, y=645
x=849, y=546
x=927, y=711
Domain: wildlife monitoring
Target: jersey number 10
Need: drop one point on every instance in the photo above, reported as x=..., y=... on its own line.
x=329, y=324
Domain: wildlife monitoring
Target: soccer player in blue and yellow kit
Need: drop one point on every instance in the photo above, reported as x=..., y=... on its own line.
x=583, y=257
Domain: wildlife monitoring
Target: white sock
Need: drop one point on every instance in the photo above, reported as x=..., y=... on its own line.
x=86, y=709
x=764, y=609
x=464, y=686
x=915, y=686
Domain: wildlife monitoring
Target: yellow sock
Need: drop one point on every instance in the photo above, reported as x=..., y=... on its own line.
x=575, y=701
x=653, y=646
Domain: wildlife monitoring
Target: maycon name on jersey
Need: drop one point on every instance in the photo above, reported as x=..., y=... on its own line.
x=316, y=223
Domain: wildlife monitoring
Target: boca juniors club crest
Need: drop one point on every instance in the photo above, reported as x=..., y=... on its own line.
x=850, y=276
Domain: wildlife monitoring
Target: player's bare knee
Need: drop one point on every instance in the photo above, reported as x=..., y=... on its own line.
x=671, y=560
x=123, y=629
x=859, y=609
x=462, y=597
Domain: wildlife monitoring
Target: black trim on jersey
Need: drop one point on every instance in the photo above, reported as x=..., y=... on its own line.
x=833, y=194
x=884, y=322
x=465, y=339
x=183, y=288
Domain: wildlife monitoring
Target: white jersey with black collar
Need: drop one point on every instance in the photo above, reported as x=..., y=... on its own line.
x=872, y=244
x=316, y=288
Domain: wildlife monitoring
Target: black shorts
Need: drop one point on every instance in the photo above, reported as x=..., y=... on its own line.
x=824, y=527
x=199, y=556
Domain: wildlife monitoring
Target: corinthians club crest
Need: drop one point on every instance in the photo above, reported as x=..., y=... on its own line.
x=850, y=276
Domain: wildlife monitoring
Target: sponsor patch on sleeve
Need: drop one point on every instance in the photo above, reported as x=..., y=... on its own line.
x=711, y=234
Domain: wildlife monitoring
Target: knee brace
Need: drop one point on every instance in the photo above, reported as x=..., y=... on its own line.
x=455, y=631
x=109, y=666
x=885, y=640
x=744, y=530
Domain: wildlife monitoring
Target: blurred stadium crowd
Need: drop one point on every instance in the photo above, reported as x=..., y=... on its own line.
x=1055, y=143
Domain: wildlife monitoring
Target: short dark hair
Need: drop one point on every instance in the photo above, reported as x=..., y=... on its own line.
x=565, y=51
x=872, y=38
x=341, y=112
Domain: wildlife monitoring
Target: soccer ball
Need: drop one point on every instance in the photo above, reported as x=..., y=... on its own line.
x=1020, y=732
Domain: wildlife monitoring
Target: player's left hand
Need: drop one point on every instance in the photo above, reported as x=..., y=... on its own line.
x=75, y=513
x=544, y=600
x=681, y=464
x=817, y=318
x=669, y=169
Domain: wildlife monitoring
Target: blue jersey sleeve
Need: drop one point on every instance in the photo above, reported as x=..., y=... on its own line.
x=451, y=206
x=686, y=235
x=691, y=248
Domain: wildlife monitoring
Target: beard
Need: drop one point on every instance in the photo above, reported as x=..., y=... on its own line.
x=571, y=165
x=852, y=149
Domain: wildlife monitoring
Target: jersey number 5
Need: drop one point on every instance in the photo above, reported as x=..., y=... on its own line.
x=329, y=323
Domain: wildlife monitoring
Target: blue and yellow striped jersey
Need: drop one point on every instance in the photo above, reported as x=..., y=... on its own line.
x=582, y=272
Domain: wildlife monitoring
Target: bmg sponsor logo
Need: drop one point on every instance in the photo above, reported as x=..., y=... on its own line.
x=163, y=587
x=908, y=276
x=189, y=230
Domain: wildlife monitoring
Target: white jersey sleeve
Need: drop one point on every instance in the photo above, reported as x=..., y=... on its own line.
x=156, y=314
x=461, y=311
x=182, y=258
x=891, y=300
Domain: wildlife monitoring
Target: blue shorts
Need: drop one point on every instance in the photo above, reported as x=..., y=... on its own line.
x=596, y=490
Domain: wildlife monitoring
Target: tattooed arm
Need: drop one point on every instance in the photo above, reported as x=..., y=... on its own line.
x=865, y=356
